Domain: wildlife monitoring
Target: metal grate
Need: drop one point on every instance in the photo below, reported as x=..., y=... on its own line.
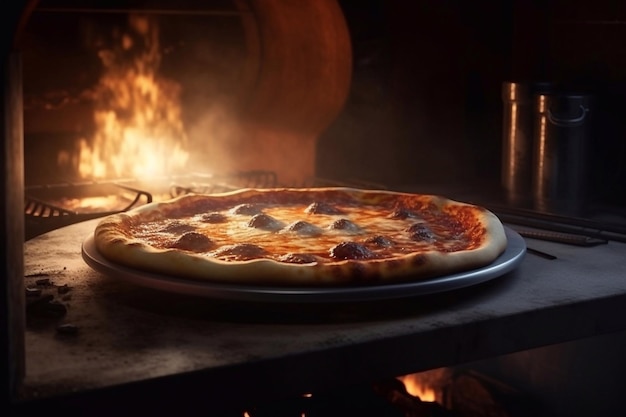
x=211, y=184
x=44, y=209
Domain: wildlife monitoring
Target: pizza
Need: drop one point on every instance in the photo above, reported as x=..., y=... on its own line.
x=303, y=237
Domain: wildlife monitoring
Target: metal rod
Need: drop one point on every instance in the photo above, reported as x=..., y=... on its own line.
x=591, y=22
x=560, y=219
x=220, y=13
x=562, y=227
x=541, y=254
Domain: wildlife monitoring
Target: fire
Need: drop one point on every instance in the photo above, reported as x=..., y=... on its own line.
x=138, y=125
x=417, y=388
x=427, y=385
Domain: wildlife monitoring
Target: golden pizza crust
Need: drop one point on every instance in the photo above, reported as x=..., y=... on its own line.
x=116, y=242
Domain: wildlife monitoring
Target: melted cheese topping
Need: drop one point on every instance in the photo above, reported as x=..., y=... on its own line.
x=375, y=229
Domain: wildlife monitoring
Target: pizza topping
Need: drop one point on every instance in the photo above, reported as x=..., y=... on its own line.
x=344, y=224
x=351, y=250
x=247, y=209
x=265, y=222
x=193, y=242
x=380, y=241
x=240, y=252
x=298, y=258
x=420, y=232
x=304, y=228
x=213, y=217
x=177, y=227
x=322, y=208
x=402, y=214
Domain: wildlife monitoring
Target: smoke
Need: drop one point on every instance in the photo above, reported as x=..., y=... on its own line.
x=215, y=139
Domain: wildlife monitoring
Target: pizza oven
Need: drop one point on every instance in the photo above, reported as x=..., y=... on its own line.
x=110, y=105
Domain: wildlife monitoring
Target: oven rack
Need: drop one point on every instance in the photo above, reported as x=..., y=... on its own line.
x=210, y=184
x=41, y=215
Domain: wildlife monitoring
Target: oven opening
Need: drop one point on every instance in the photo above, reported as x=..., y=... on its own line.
x=157, y=91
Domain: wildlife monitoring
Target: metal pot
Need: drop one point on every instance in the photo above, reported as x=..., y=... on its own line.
x=560, y=159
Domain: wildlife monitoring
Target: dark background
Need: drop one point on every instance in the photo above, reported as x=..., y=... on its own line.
x=426, y=100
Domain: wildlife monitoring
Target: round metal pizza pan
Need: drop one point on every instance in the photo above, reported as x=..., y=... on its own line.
x=506, y=262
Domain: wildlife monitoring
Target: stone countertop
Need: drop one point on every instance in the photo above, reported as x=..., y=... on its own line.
x=106, y=336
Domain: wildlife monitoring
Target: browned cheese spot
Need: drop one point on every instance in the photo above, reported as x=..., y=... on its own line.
x=344, y=224
x=240, y=252
x=303, y=228
x=350, y=250
x=420, y=233
x=379, y=241
x=193, y=242
x=393, y=264
x=177, y=227
x=213, y=217
x=246, y=209
x=418, y=260
x=298, y=258
x=402, y=214
x=265, y=222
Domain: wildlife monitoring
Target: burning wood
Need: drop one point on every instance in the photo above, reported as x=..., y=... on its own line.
x=460, y=392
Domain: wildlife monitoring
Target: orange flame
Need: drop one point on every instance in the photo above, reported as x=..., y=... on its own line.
x=418, y=389
x=427, y=385
x=139, y=129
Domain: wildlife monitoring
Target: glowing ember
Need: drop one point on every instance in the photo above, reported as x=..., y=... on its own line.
x=417, y=389
x=427, y=385
x=139, y=130
x=93, y=204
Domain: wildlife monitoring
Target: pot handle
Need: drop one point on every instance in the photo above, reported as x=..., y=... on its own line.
x=568, y=122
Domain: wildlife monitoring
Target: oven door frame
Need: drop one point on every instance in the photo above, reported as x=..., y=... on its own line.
x=12, y=316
